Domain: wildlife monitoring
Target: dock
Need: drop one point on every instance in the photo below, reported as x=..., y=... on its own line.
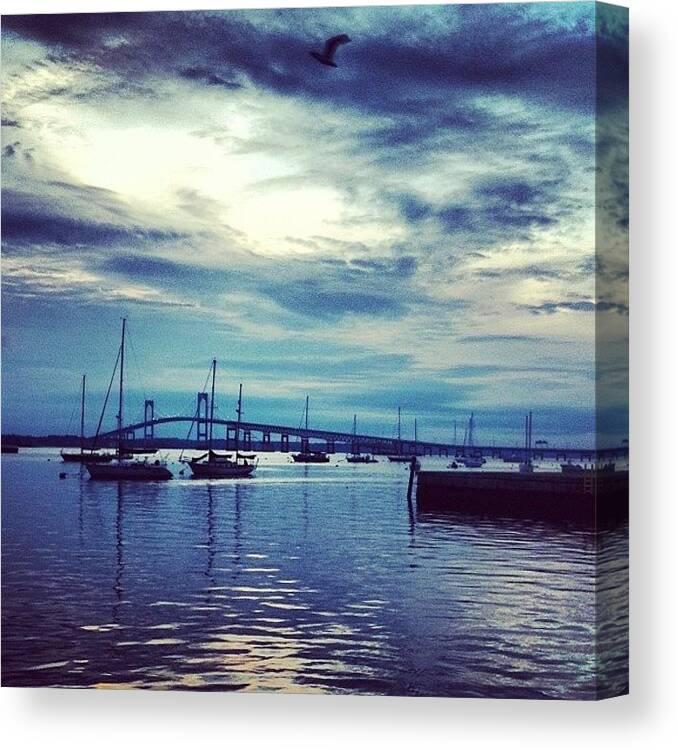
x=591, y=497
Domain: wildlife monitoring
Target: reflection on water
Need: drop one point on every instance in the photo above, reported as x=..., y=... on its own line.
x=307, y=578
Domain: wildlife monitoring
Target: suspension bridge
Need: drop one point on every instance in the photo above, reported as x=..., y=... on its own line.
x=288, y=438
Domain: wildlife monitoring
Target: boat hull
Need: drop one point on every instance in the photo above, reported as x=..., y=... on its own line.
x=215, y=470
x=400, y=459
x=87, y=458
x=131, y=472
x=310, y=458
x=361, y=460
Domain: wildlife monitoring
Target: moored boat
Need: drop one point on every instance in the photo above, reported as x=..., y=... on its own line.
x=310, y=457
x=213, y=465
x=361, y=458
x=400, y=457
x=470, y=457
x=355, y=456
x=86, y=457
x=122, y=467
x=130, y=469
x=306, y=456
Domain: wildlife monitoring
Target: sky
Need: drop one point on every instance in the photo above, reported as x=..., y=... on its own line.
x=415, y=227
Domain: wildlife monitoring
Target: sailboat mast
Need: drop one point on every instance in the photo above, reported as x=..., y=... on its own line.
x=526, y=432
x=398, y=424
x=307, y=412
x=122, y=374
x=237, y=429
x=415, y=434
x=82, y=417
x=209, y=434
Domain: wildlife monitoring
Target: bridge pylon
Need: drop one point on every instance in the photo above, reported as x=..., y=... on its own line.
x=203, y=418
x=149, y=416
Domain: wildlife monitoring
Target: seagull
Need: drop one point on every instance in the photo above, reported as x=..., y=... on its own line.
x=326, y=57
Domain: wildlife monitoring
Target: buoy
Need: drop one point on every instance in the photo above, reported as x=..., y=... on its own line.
x=62, y=475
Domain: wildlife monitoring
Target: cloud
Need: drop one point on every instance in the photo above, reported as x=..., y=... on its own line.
x=430, y=200
x=208, y=77
x=27, y=218
x=550, y=308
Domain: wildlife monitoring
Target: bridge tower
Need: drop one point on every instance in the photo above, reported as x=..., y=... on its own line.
x=149, y=416
x=203, y=418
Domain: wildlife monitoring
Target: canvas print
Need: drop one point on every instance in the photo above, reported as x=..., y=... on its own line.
x=315, y=350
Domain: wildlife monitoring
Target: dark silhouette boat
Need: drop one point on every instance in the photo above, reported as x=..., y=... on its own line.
x=306, y=456
x=122, y=466
x=355, y=456
x=400, y=457
x=213, y=465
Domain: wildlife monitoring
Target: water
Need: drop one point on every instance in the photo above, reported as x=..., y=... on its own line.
x=307, y=578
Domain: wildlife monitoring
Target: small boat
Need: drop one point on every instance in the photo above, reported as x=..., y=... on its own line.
x=361, y=458
x=570, y=468
x=311, y=457
x=470, y=457
x=213, y=465
x=402, y=458
x=122, y=467
x=83, y=455
x=471, y=462
x=355, y=456
x=126, y=469
x=306, y=456
x=513, y=458
x=86, y=457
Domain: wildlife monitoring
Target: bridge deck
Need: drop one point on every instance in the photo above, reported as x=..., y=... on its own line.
x=374, y=442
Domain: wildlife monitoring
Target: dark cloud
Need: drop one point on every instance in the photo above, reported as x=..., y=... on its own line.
x=493, y=209
x=10, y=149
x=8, y=123
x=316, y=298
x=27, y=219
x=490, y=48
x=208, y=77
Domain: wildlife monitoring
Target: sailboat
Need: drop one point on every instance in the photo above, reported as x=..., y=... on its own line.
x=471, y=458
x=355, y=456
x=306, y=456
x=399, y=457
x=527, y=467
x=80, y=456
x=122, y=467
x=213, y=465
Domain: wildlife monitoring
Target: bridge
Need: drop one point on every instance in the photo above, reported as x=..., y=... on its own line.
x=241, y=434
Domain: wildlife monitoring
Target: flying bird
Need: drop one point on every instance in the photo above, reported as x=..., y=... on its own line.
x=326, y=57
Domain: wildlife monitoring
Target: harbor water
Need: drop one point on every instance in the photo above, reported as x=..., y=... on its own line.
x=305, y=578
